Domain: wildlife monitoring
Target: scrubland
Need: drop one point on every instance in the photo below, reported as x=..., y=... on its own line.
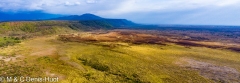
x=116, y=56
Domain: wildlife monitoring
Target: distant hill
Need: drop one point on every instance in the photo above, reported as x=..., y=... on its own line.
x=26, y=15
x=85, y=19
x=77, y=17
x=121, y=22
x=99, y=20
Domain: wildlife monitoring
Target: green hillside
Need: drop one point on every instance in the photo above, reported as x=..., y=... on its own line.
x=37, y=28
x=9, y=31
x=32, y=28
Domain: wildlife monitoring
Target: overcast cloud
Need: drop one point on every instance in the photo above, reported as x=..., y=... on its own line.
x=212, y=12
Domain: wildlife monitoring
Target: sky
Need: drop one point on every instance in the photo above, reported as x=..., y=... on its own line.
x=195, y=12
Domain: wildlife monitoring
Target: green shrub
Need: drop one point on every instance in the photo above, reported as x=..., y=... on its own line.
x=6, y=41
x=46, y=59
x=95, y=64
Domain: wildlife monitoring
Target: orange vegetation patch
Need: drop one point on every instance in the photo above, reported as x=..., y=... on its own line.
x=140, y=37
x=119, y=36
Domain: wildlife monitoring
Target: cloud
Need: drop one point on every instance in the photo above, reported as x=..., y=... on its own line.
x=91, y=1
x=72, y=4
x=115, y=6
x=129, y=6
x=145, y=11
x=36, y=4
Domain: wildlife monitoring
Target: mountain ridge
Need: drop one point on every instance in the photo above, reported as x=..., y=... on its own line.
x=40, y=15
x=86, y=16
x=97, y=19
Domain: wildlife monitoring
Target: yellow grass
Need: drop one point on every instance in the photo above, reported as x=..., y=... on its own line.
x=126, y=62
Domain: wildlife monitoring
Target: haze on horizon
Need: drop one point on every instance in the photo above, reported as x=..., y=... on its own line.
x=199, y=12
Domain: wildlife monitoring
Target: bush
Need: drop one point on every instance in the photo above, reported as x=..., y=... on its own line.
x=6, y=41
x=95, y=64
x=46, y=59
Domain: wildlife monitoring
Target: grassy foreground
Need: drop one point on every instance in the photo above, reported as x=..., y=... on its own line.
x=110, y=62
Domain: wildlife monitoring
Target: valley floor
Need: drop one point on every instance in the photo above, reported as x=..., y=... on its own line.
x=119, y=61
